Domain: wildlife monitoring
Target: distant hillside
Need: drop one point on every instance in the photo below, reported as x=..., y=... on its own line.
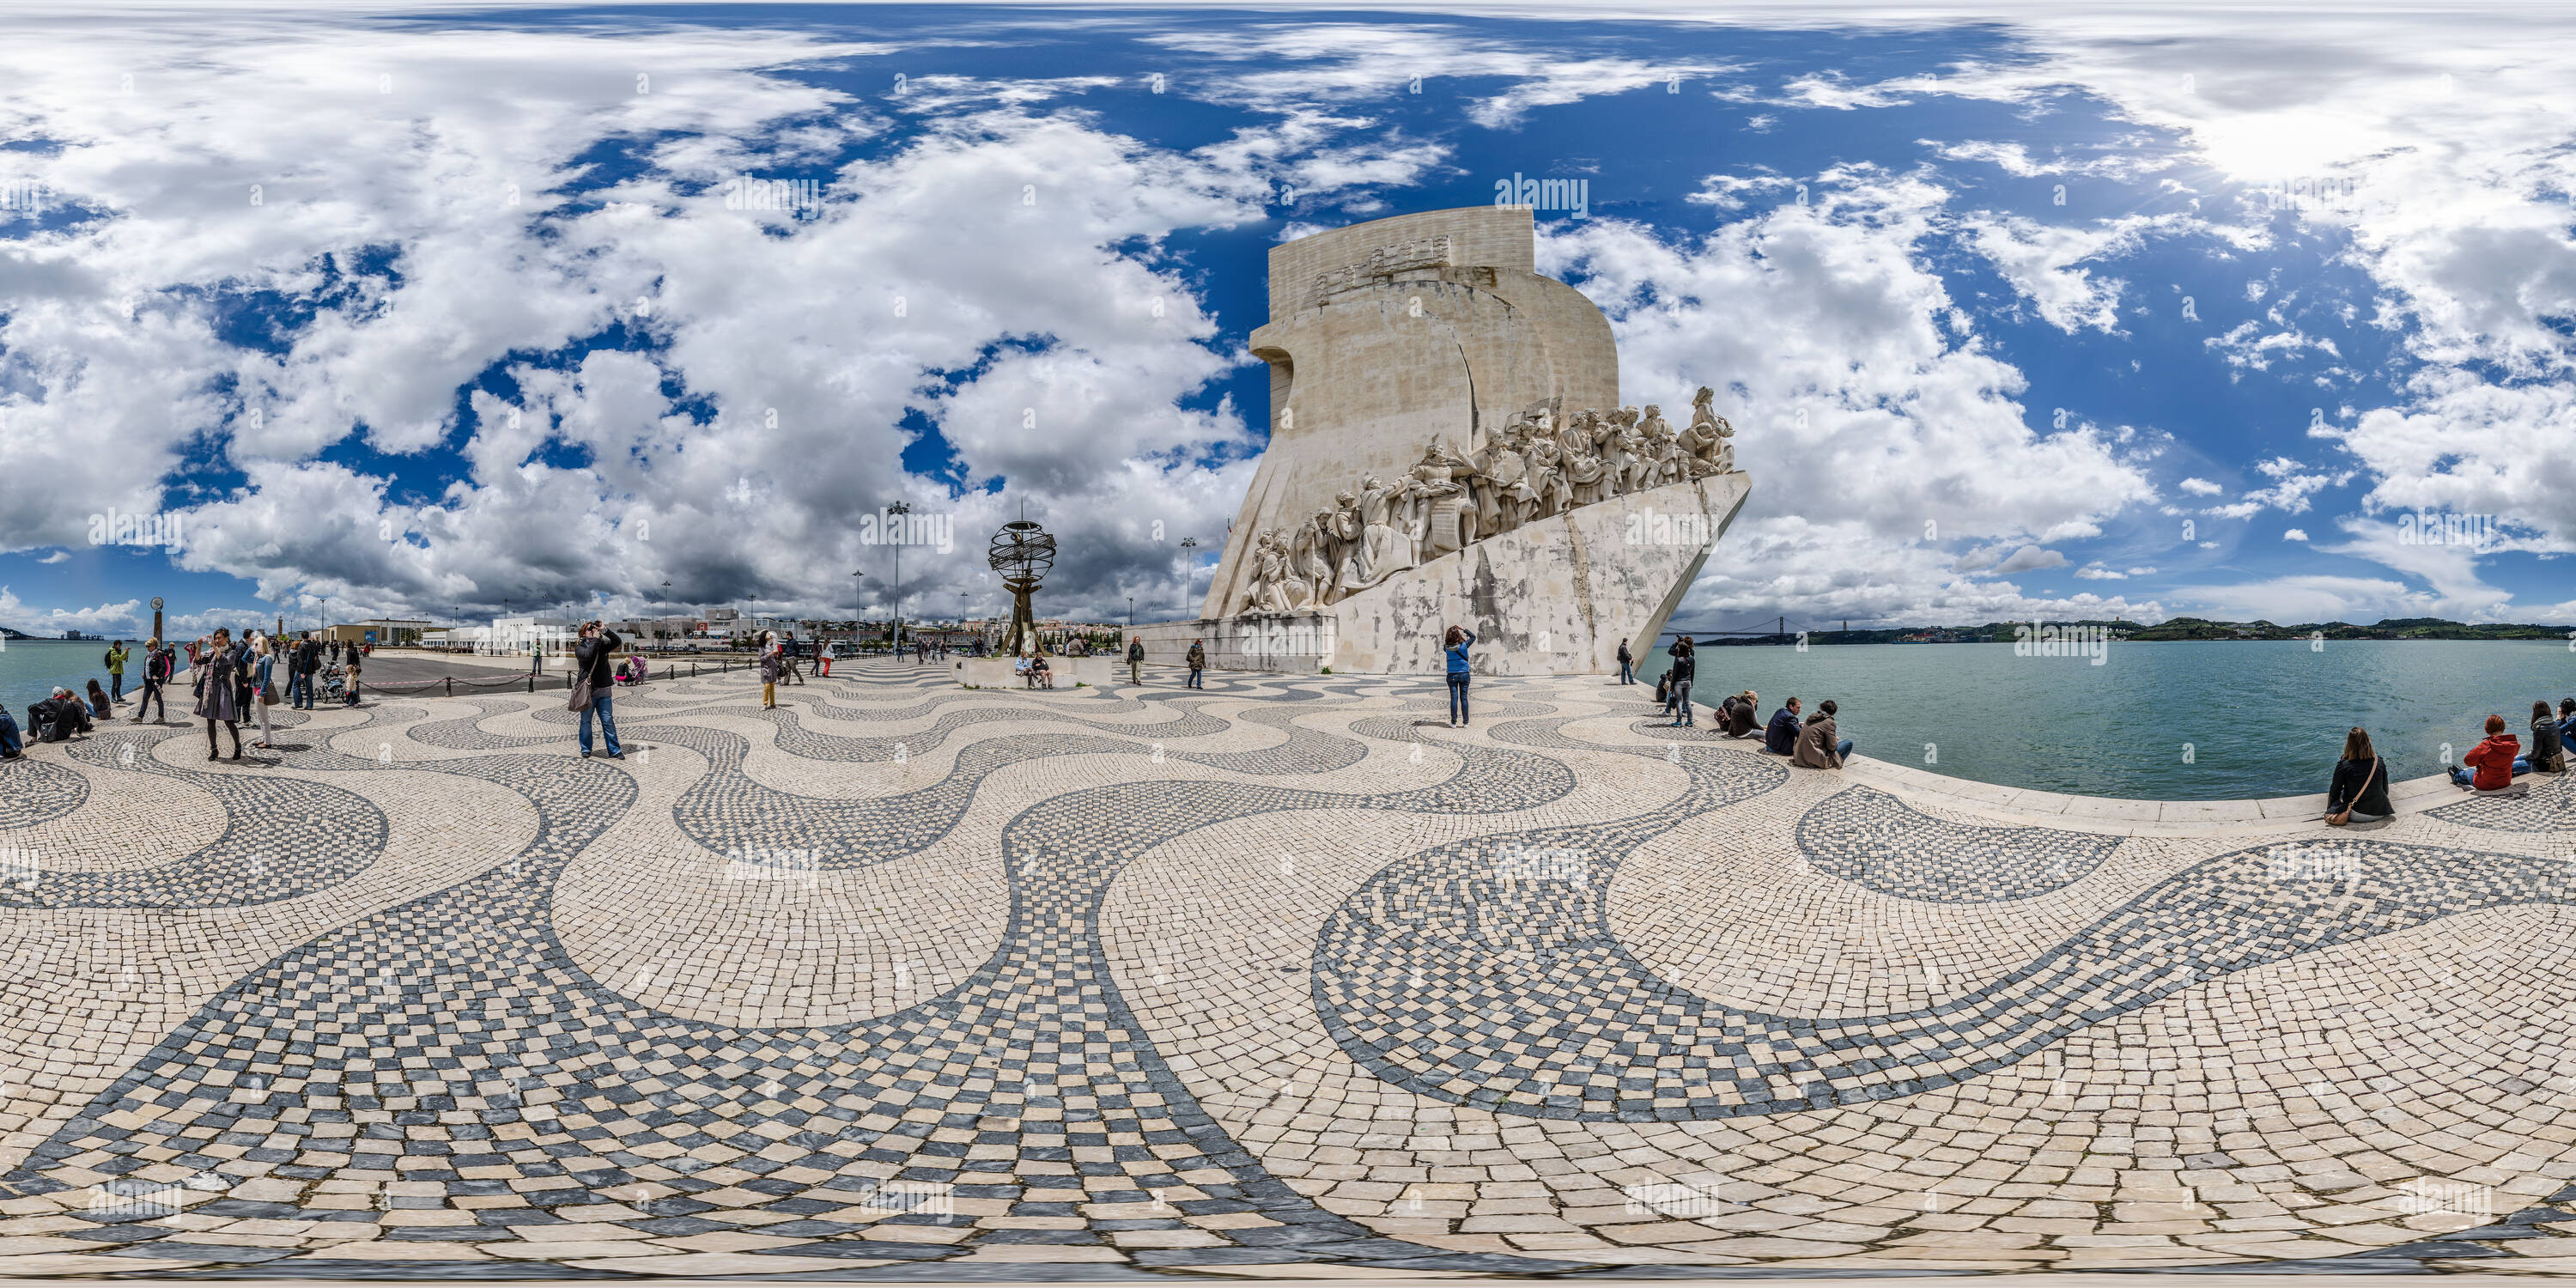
x=2176, y=628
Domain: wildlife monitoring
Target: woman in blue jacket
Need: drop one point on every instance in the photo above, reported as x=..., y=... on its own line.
x=1459, y=638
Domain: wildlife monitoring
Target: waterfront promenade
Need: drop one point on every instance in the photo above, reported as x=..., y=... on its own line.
x=1283, y=977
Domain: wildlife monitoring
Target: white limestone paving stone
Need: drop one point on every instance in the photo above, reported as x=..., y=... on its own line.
x=1111, y=985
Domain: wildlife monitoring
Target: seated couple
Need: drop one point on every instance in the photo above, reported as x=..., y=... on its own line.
x=1811, y=743
x=1033, y=672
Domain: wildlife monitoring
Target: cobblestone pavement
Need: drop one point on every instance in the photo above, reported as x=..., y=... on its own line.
x=1284, y=976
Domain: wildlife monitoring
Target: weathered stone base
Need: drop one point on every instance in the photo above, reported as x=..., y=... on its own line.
x=1553, y=597
x=1293, y=643
x=996, y=673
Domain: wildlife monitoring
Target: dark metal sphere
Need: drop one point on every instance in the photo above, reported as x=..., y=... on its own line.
x=1022, y=551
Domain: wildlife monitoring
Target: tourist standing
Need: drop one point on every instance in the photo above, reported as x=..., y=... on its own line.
x=591, y=667
x=1685, y=669
x=1135, y=661
x=1817, y=748
x=1780, y=737
x=823, y=659
x=156, y=673
x=769, y=670
x=301, y=662
x=217, y=700
x=353, y=666
x=1627, y=664
x=2359, y=793
x=788, y=668
x=116, y=655
x=1197, y=659
x=1455, y=646
x=263, y=650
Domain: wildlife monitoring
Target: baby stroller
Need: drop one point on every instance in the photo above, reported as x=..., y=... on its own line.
x=332, y=684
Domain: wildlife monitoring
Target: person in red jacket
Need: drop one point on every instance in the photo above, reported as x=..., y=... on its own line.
x=2497, y=760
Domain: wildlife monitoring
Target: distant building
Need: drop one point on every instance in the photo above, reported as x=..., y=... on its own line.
x=383, y=632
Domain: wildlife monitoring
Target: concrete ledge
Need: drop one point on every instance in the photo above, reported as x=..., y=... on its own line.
x=2273, y=816
x=996, y=673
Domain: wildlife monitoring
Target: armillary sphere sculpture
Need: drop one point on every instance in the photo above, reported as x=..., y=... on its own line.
x=1021, y=552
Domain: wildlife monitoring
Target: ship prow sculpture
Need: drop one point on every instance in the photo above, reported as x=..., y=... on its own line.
x=1448, y=447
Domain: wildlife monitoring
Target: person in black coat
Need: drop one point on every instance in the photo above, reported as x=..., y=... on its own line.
x=1780, y=738
x=2359, y=793
x=1677, y=682
x=595, y=661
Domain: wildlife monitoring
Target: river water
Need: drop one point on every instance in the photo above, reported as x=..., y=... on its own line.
x=2170, y=721
x=29, y=670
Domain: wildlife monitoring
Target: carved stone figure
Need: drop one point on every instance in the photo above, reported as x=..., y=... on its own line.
x=1587, y=475
x=1538, y=464
x=1270, y=574
x=1383, y=549
x=1708, y=436
x=1636, y=457
x=1501, y=471
x=1549, y=491
x=1434, y=501
x=1313, y=557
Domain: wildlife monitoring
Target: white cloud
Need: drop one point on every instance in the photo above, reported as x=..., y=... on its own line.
x=2294, y=534
x=2200, y=487
x=994, y=226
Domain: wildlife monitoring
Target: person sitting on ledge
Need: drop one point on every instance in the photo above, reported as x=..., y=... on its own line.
x=1781, y=737
x=2497, y=761
x=2359, y=793
x=1028, y=678
x=1816, y=746
x=2567, y=721
x=1743, y=715
x=1041, y=672
x=2548, y=750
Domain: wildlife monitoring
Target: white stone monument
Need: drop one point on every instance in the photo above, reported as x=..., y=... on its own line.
x=1447, y=448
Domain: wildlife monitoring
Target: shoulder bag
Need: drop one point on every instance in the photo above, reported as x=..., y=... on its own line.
x=2339, y=820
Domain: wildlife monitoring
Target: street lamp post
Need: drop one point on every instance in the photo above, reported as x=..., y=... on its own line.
x=855, y=576
x=896, y=511
x=1189, y=555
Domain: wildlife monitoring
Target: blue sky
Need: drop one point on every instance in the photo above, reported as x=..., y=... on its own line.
x=2149, y=313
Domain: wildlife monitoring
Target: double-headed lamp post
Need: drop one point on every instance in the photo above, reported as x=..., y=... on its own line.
x=855, y=575
x=1189, y=554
